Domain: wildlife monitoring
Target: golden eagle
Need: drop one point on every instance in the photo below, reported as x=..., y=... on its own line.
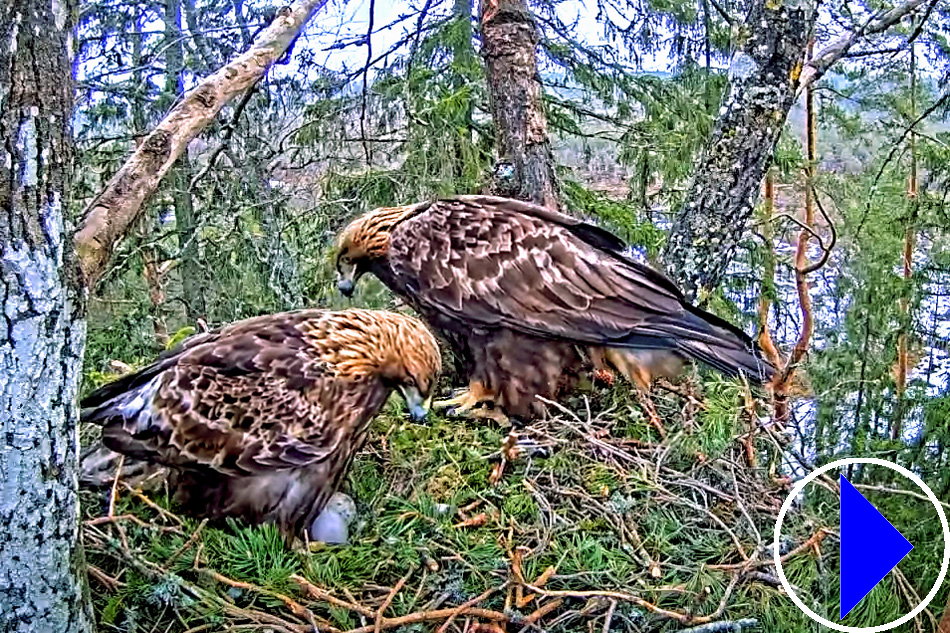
x=260, y=419
x=526, y=296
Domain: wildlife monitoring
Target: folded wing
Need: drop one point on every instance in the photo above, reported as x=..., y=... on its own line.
x=501, y=263
x=244, y=399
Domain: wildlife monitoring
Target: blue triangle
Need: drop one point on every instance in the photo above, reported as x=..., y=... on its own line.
x=870, y=547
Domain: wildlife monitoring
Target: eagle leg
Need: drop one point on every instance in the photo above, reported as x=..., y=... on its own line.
x=465, y=400
x=641, y=376
x=489, y=413
x=477, y=402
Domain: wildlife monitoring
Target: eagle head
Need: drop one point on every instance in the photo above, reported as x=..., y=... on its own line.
x=365, y=240
x=395, y=348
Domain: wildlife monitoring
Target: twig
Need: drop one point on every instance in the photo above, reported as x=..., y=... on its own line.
x=454, y=613
x=617, y=595
x=226, y=137
x=722, y=12
x=812, y=541
x=826, y=249
x=430, y=616
x=829, y=55
x=610, y=617
x=191, y=541
x=129, y=517
x=162, y=511
x=912, y=597
x=723, y=603
x=319, y=594
x=105, y=579
x=115, y=486
x=899, y=491
x=295, y=607
x=369, y=61
x=742, y=508
x=543, y=610
x=392, y=594
x=723, y=626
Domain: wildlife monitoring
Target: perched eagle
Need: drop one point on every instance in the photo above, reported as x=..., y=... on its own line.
x=526, y=296
x=260, y=419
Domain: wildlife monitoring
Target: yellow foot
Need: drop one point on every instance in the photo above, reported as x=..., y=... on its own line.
x=486, y=413
x=464, y=401
x=475, y=402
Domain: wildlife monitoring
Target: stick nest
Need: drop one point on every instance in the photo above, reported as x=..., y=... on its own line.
x=585, y=520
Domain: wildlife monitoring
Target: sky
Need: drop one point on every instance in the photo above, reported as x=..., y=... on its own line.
x=350, y=20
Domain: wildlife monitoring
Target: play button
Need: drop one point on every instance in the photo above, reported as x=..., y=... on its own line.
x=870, y=547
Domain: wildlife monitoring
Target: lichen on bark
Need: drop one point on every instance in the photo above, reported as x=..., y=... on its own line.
x=42, y=571
x=764, y=75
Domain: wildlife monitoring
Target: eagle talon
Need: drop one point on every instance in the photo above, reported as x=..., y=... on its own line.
x=480, y=412
x=465, y=401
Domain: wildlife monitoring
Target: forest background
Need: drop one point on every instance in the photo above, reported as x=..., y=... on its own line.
x=663, y=120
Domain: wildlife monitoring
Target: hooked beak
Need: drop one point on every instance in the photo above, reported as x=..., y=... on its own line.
x=346, y=287
x=346, y=279
x=418, y=407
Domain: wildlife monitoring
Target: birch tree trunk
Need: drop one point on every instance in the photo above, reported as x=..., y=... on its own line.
x=42, y=570
x=509, y=40
x=763, y=81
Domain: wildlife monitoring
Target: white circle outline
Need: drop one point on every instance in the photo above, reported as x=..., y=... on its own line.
x=788, y=504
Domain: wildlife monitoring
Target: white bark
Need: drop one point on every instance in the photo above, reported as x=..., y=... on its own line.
x=41, y=565
x=42, y=572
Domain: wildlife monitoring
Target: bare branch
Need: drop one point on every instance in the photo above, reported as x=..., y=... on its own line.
x=225, y=138
x=109, y=216
x=365, y=92
x=834, y=52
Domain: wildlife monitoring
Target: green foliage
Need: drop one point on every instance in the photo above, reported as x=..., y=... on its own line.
x=677, y=117
x=256, y=554
x=622, y=217
x=312, y=149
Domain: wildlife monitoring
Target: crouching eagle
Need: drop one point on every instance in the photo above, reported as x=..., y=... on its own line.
x=260, y=419
x=526, y=296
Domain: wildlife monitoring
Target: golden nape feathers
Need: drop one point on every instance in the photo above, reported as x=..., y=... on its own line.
x=261, y=418
x=368, y=235
x=526, y=297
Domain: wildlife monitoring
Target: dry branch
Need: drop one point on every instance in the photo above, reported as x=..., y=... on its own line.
x=295, y=607
x=431, y=616
x=317, y=593
x=109, y=216
x=834, y=52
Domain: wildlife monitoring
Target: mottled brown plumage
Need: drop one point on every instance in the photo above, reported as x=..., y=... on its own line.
x=527, y=296
x=261, y=418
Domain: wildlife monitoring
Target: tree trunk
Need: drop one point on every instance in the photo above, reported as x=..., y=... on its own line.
x=42, y=570
x=763, y=80
x=526, y=166
x=463, y=57
x=180, y=176
x=910, y=239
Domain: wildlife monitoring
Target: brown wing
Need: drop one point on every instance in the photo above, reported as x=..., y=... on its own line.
x=253, y=396
x=497, y=262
